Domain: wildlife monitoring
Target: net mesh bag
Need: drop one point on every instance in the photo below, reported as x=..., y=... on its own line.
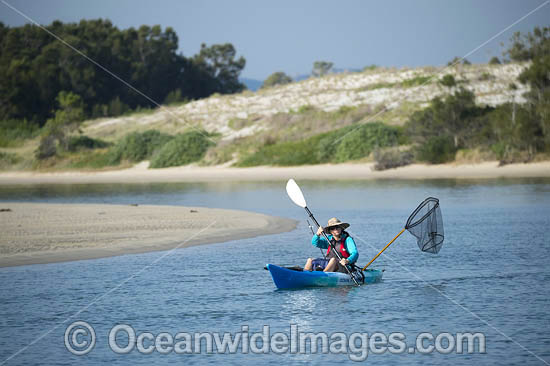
x=426, y=224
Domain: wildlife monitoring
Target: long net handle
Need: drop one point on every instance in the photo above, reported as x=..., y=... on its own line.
x=386, y=247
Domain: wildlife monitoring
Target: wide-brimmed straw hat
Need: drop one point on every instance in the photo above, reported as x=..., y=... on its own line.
x=335, y=222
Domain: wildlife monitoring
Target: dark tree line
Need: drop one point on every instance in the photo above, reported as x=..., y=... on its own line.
x=35, y=68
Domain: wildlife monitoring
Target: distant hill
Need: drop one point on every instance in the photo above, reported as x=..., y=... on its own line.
x=340, y=71
x=251, y=84
x=301, y=77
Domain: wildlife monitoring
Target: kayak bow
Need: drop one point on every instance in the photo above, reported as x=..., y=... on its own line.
x=285, y=278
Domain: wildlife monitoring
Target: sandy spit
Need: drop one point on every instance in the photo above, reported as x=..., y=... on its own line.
x=35, y=233
x=140, y=173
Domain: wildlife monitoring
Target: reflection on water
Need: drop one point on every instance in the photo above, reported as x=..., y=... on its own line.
x=491, y=275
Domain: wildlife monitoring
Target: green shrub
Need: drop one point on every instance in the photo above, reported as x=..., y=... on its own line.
x=347, y=143
x=174, y=97
x=500, y=149
x=13, y=131
x=392, y=157
x=359, y=141
x=8, y=159
x=345, y=109
x=457, y=60
x=219, y=155
x=182, y=149
x=486, y=76
x=93, y=160
x=117, y=107
x=416, y=81
x=370, y=67
x=47, y=147
x=284, y=154
x=437, y=150
x=277, y=78
x=269, y=140
x=507, y=154
x=100, y=111
x=448, y=81
x=305, y=109
x=380, y=85
x=76, y=143
x=138, y=146
x=239, y=123
x=329, y=142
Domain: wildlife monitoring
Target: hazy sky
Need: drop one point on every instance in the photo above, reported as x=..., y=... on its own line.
x=289, y=35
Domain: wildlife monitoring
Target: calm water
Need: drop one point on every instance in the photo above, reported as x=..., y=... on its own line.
x=492, y=275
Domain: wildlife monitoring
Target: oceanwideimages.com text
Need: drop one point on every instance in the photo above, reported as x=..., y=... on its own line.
x=80, y=338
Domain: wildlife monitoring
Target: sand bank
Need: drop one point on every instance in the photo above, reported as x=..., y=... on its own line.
x=43, y=233
x=140, y=173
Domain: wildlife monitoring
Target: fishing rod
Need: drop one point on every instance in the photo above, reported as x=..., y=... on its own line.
x=313, y=233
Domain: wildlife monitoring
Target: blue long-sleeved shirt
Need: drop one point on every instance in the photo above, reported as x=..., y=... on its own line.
x=351, y=248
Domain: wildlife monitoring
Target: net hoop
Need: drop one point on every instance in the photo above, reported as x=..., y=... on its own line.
x=428, y=200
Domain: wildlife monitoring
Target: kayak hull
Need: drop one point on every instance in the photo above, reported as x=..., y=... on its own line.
x=285, y=278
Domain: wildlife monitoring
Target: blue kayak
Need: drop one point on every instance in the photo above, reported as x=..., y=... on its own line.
x=294, y=278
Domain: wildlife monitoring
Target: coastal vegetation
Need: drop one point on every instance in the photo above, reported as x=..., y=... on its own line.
x=337, y=146
x=277, y=78
x=56, y=102
x=110, y=70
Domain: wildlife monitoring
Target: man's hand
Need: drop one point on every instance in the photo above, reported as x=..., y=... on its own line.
x=344, y=261
x=319, y=231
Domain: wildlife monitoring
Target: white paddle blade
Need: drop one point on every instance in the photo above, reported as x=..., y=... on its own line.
x=295, y=193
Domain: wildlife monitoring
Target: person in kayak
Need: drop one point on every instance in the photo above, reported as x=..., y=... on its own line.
x=343, y=243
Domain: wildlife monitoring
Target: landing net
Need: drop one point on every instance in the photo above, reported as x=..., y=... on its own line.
x=426, y=224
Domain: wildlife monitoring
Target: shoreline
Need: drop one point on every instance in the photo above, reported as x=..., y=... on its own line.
x=140, y=173
x=38, y=233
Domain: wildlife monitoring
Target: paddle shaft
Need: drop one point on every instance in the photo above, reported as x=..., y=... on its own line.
x=331, y=246
x=386, y=247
